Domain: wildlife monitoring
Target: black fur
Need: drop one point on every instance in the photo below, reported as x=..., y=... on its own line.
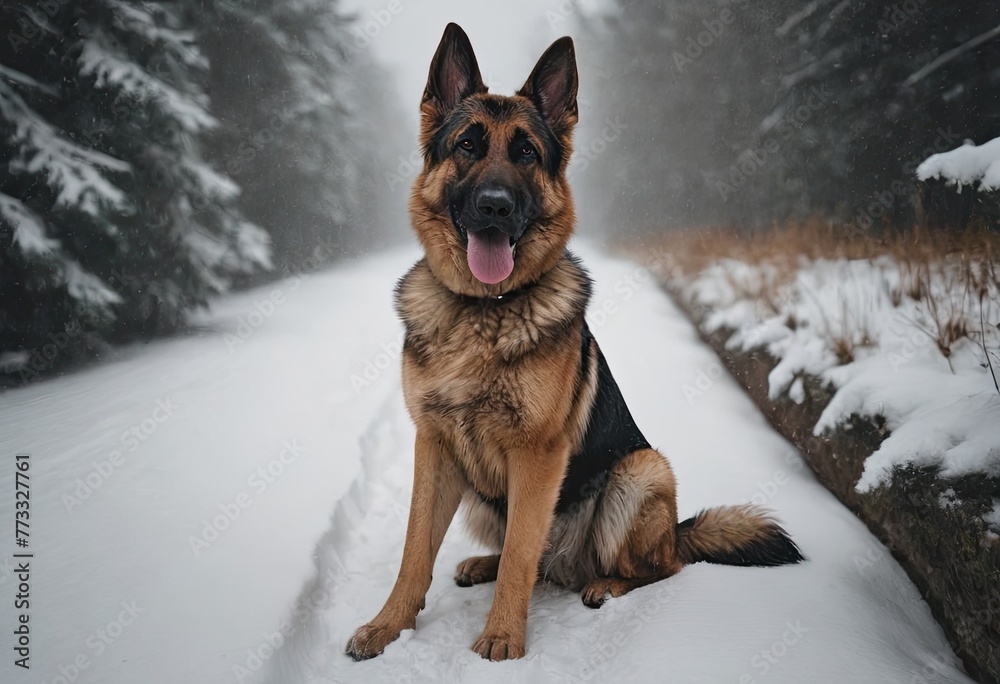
x=611, y=435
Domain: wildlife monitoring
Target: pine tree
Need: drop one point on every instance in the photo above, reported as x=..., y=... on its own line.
x=112, y=222
x=905, y=79
x=785, y=109
x=292, y=91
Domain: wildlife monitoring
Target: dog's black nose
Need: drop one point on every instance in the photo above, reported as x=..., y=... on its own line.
x=494, y=201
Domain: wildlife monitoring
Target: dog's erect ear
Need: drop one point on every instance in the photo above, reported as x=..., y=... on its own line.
x=454, y=73
x=553, y=84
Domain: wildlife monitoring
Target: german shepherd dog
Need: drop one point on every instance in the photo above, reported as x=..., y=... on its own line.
x=517, y=415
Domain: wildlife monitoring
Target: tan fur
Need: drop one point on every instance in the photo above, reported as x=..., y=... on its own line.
x=725, y=529
x=495, y=381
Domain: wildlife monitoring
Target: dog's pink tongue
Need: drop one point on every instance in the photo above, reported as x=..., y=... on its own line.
x=491, y=256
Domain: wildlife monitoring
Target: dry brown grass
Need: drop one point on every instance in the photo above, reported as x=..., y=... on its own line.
x=947, y=273
x=818, y=239
x=964, y=267
x=851, y=335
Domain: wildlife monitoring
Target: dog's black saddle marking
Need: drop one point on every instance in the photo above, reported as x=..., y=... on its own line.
x=611, y=435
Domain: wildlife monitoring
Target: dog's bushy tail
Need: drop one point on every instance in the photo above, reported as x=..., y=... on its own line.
x=735, y=535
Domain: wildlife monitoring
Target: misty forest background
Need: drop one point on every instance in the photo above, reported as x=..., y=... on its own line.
x=160, y=153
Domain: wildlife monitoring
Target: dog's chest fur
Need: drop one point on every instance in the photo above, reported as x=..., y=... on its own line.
x=493, y=376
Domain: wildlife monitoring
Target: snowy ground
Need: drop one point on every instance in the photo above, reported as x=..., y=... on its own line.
x=244, y=492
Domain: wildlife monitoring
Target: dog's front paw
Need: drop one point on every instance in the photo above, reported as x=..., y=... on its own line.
x=370, y=640
x=494, y=646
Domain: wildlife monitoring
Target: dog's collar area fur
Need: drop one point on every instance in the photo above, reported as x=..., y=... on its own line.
x=556, y=298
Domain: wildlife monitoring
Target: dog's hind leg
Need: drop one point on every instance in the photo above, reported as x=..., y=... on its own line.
x=437, y=490
x=642, y=551
x=477, y=570
x=601, y=589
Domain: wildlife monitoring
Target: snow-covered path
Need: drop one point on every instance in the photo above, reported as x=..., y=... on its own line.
x=215, y=524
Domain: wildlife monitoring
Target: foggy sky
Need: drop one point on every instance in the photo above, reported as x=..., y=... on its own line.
x=508, y=37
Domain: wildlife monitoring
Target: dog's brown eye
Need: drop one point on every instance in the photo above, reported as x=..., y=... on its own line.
x=466, y=145
x=527, y=151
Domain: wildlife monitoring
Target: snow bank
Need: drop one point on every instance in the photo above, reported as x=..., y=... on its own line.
x=966, y=165
x=852, y=324
x=936, y=419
